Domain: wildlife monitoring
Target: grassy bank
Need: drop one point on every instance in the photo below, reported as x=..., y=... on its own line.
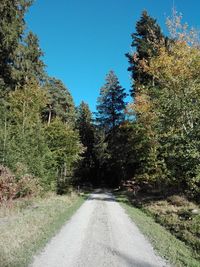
x=27, y=225
x=164, y=242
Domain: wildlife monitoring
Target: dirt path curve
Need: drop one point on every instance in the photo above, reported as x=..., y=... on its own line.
x=99, y=234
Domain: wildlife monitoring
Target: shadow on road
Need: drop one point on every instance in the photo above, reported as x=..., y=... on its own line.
x=110, y=199
x=130, y=261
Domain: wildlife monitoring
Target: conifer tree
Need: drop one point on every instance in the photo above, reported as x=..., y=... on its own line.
x=110, y=115
x=86, y=131
x=85, y=126
x=146, y=40
x=60, y=102
x=111, y=103
x=28, y=63
x=12, y=26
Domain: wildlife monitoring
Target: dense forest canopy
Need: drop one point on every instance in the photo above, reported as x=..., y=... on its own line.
x=152, y=141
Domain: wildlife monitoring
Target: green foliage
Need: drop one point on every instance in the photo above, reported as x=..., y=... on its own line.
x=25, y=142
x=28, y=63
x=146, y=40
x=44, y=137
x=66, y=148
x=167, y=118
x=110, y=115
x=60, y=103
x=111, y=103
x=29, y=100
x=12, y=27
x=179, y=119
x=86, y=130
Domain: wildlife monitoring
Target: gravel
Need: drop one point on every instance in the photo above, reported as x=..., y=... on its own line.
x=99, y=234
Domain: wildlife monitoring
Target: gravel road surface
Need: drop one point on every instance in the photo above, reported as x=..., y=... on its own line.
x=99, y=234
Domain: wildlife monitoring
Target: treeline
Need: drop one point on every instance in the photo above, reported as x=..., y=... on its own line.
x=39, y=142
x=49, y=144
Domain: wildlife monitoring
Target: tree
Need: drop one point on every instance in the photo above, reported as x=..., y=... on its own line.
x=167, y=116
x=146, y=40
x=28, y=64
x=85, y=125
x=86, y=130
x=149, y=168
x=110, y=115
x=24, y=138
x=65, y=145
x=102, y=156
x=111, y=104
x=178, y=108
x=12, y=26
x=60, y=102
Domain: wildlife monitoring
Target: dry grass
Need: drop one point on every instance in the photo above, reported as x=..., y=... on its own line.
x=26, y=225
x=178, y=253
x=176, y=214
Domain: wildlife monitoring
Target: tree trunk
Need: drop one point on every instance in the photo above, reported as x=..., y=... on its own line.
x=5, y=139
x=49, y=117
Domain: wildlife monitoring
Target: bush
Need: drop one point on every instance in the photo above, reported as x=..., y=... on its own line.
x=12, y=187
x=8, y=184
x=28, y=186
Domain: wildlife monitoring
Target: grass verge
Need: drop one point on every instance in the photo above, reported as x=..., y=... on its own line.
x=27, y=225
x=166, y=244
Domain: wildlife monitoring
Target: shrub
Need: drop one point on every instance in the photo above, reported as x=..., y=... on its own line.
x=8, y=184
x=12, y=187
x=28, y=185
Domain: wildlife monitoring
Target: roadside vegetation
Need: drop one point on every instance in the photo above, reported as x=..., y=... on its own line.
x=170, y=225
x=28, y=224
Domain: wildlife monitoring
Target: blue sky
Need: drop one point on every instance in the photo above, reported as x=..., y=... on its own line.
x=84, y=39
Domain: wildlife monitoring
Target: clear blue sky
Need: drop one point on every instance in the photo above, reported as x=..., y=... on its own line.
x=84, y=39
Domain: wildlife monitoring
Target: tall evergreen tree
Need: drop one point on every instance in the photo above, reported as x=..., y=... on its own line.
x=85, y=125
x=60, y=103
x=111, y=103
x=12, y=26
x=146, y=41
x=28, y=63
x=110, y=115
x=86, y=131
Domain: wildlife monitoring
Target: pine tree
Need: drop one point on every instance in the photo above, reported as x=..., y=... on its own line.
x=111, y=104
x=86, y=131
x=60, y=103
x=12, y=26
x=146, y=40
x=85, y=126
x=110, y=116
x=28, y=63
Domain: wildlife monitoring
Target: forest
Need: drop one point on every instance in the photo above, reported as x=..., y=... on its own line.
x=151, y=143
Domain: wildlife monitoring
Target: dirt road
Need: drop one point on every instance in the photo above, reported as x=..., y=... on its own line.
x=99, y=234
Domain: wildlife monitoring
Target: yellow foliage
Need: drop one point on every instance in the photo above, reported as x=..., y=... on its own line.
x=176, y=66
